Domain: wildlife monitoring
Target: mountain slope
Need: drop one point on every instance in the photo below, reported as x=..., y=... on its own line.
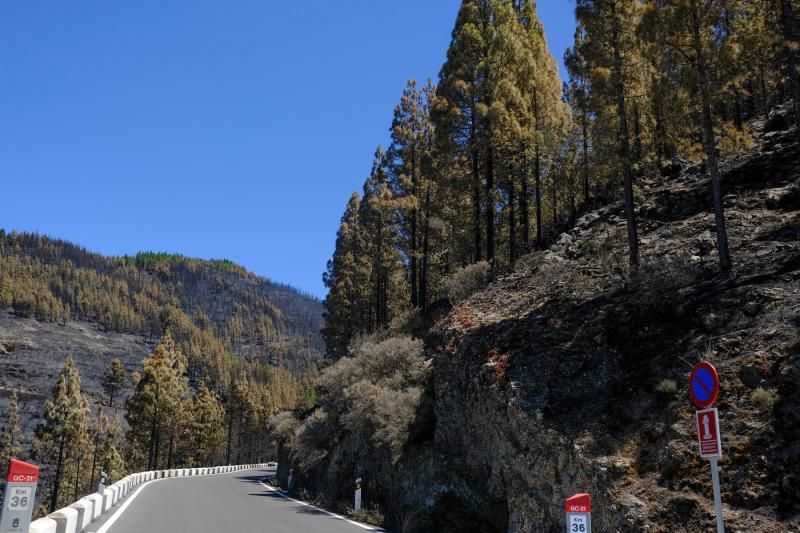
x=57, y=298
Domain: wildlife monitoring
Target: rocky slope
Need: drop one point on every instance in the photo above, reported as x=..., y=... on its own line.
x=32, y=353
x=568, y=375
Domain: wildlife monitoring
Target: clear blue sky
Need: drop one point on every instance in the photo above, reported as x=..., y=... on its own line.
x=214, y=129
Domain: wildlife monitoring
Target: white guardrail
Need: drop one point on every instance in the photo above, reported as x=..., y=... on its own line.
x=76, y=517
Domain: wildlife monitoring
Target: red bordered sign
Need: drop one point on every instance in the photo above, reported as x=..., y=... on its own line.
x=708, y=433
x=704, y=385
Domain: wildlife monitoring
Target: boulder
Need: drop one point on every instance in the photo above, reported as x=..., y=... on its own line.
x=778, y=120
x=675, y=167
x=750, y=376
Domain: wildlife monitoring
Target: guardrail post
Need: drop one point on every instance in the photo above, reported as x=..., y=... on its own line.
x=357, y=503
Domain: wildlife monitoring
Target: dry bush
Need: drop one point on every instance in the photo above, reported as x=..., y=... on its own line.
x=734, y=141
x=368, y=515
x=376, y=392
x=284, y=426
x=385, y=413
x=466, y=281
x=667, y=386
x=765, y=399
x=500, y=362
x=312, y=439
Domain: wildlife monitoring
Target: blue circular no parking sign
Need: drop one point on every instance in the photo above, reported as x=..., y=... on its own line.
x=704, y=385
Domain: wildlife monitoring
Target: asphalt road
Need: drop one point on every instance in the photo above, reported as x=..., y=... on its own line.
x=225, y=503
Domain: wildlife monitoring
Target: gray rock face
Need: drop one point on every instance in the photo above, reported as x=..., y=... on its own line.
x=32, y=354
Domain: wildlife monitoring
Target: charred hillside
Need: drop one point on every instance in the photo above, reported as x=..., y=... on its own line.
x=58, y=299
x=569, y=374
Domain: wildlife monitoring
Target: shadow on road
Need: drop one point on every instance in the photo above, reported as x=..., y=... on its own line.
x=278, y=496
x=270, y=494
x=254, y=478
x=310, y=511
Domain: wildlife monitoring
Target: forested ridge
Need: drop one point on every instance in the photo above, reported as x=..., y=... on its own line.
x=228, y=349
x=212, y=308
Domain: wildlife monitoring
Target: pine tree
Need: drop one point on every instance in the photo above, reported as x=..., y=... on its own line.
x=410, y=165
x=241, y=410
x=207, y=427
x=549, y=115
x=608, y=29
x=376, y=219
x=156, y=406
x=790, y=47
x=106, y=437
x=709, y=139
x=10, y=439
x=114, y=379
x=347, y=280
x=697, y=43
x=60, y=440
x=578, y=97
x=463, y=91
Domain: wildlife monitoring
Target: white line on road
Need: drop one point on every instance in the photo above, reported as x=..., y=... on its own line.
x=340, y=517
x=128, y=501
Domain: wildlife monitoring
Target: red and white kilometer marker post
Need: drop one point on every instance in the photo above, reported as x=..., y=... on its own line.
x=704, y=389
x=579, y=514
x=15, y=514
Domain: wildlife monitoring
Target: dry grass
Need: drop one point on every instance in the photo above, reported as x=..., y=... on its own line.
x=765, y=399
x=368, y=515
x=667, y=386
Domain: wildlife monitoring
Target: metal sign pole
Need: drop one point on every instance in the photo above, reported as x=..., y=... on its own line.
x=717, y=497
x=703, y=390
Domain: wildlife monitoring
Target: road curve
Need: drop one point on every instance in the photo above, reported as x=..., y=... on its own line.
x=225, y=503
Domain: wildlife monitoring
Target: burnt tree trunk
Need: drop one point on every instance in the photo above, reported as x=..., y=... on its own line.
x=790, y=49
x=709, y=142
x=624, y=146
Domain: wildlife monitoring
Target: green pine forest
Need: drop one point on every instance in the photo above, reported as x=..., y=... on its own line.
x=502, y=156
